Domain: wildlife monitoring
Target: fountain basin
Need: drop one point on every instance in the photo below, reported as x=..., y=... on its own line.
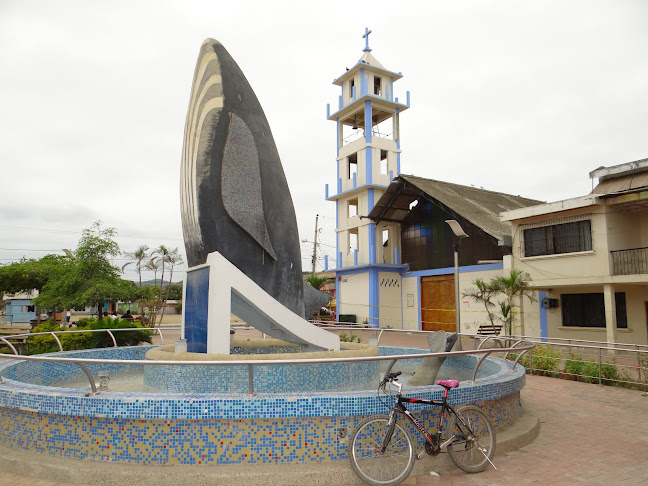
x=215, y=428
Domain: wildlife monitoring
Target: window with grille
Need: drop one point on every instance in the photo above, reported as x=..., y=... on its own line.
x=588, y=310
x=558, y=238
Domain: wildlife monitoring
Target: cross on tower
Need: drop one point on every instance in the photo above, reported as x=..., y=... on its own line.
x=366, y=37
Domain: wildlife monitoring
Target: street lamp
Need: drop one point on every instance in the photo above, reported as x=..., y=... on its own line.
x=460, y=234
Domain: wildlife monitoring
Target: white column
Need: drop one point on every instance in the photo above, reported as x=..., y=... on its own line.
x=610, y=312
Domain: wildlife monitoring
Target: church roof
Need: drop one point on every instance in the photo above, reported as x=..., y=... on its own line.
x=369, y=58
x=476, y=205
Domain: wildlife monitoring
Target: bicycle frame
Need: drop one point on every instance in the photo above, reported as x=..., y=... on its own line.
x=399, y=407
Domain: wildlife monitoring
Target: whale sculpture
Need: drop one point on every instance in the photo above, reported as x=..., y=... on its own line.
x=235, y=202
x=234, y=194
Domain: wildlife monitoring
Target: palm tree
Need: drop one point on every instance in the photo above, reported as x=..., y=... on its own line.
x=484, y=294
x=172, y=258
x=513, y=286
x=137, y=257
x=164, y=252
x=316, y=282
x=153, y=265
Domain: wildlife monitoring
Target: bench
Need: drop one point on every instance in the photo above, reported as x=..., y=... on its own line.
x=489, y=330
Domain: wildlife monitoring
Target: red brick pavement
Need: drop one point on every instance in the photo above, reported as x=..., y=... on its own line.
x=590, y=435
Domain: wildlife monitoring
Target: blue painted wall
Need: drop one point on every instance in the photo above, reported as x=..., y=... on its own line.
x=16, y=310
x=196, y=310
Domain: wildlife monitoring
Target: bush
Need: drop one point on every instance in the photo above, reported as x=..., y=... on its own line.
x=588, y=371
x=544, y=360
x=349, y=339
x=87, y=340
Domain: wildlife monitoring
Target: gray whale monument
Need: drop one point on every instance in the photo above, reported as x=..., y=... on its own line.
x=234, y=194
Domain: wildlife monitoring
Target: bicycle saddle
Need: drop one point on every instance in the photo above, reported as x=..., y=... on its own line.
x=448, y=383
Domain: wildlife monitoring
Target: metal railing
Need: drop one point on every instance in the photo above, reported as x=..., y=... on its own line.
x=83, y=362
x=600, y=362
x=630, y=262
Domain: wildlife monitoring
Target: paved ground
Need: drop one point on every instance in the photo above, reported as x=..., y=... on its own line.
x=590, y=435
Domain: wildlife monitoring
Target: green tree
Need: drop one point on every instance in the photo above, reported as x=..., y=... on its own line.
x=173, y=259
x=515, y=287
x=316, y=282
x=173, y=292
x=153, y=265
x=163, y=255
x=512, y=287
x=88, y=278
x=484, y=294
x=138, y=257
x=25, y=275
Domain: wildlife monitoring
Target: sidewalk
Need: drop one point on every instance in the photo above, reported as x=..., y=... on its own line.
x=590, y=435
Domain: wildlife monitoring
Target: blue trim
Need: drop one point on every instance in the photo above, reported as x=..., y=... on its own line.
x=396, y=256
x=391, y=88
x=339, y=187
x=338, y=259
x=382, y=267
x=408, y=98
x=355, y=181
x=354, y=93
x=326, y=263
x=340, y=103
x=544, y=328
x=370, y=97
x=450, y=270
x=328, y=110
x=420, y=315
x=337, y=148
x=374, y=298
x=369, y=168
x=391, y=175
x=355, y=257
x=326, y=195
x=338, y=303
x=372, y=228
x=367, y=115
x=363, y=83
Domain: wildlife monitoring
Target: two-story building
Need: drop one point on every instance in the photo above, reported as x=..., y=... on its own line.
x=588, y=257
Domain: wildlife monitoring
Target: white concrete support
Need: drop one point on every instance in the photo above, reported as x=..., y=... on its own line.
x=231, y=291
x=610, y=313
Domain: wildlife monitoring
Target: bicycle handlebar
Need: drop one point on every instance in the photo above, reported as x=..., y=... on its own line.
x=388, y=378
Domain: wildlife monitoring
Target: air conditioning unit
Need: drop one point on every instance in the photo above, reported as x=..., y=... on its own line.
x=548, y=303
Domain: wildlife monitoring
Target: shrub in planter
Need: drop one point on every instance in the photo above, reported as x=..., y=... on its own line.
x=88, y=340
x=543, y=361
x=588, y=371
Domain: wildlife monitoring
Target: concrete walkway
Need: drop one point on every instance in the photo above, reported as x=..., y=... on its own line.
x=590, y=435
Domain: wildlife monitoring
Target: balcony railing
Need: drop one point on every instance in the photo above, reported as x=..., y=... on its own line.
x=630, y=262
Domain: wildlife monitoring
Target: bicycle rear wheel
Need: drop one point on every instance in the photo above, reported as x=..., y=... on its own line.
x=381, y=469
x=475, y=440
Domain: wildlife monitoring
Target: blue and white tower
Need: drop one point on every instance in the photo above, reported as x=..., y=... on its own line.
x=368, y=158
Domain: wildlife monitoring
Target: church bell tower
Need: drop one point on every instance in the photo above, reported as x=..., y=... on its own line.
x=368, y=158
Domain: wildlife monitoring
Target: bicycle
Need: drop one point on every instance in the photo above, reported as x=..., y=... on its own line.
x=382, y=452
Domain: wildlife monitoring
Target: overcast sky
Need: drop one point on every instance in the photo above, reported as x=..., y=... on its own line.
x=513, y=96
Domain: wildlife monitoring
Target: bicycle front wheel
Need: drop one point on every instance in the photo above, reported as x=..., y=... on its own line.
x=474, y=443
x=381, y=468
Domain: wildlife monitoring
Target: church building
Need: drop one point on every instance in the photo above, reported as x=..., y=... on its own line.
x=394, y=250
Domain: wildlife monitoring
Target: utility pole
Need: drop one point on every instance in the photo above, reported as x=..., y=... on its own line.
x=315, y=245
